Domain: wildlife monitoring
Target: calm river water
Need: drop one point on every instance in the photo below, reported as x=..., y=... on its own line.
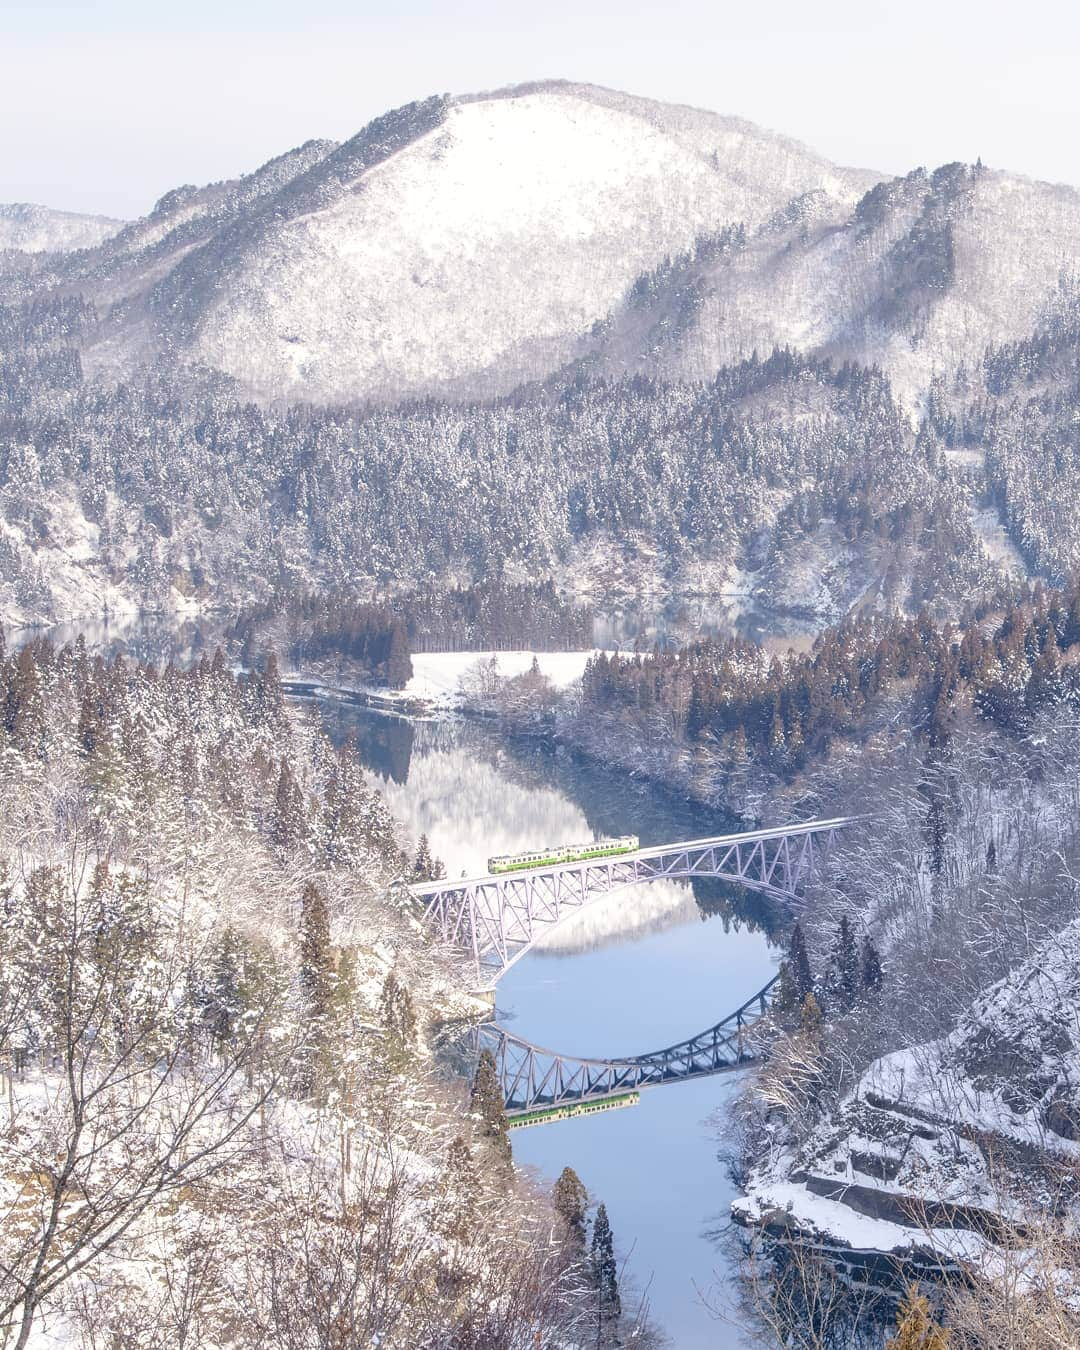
x=645, y=968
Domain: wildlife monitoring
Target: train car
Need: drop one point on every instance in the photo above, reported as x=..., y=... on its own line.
x=564, y=853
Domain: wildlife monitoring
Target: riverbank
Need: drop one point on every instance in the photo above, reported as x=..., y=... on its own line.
x=445, y=682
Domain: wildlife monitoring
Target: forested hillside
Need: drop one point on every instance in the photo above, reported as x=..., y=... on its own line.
x=805, y=475
x=726, y=722
x=220, y=1120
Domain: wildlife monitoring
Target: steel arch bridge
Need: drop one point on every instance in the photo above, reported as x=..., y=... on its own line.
x=532, y=1077
x=496, y=919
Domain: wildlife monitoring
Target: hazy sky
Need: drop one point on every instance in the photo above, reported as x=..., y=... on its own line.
x=106, y=105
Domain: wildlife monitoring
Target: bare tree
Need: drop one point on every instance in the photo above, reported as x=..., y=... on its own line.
x=131, y=1101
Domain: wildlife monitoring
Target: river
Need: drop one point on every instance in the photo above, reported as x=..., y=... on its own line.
x=649, y=966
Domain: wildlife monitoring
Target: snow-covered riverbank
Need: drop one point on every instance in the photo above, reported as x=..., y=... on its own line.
x=438, y=679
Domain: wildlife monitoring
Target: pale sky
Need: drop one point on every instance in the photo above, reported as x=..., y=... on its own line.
x=107, y=105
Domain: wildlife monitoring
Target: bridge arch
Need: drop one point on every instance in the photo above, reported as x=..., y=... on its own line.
x=533, y=1077
x=496, y=919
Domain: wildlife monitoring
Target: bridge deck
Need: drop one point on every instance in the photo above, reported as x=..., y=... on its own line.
x=427, y=888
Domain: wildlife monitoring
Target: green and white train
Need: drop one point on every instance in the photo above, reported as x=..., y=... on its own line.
x=564, y=853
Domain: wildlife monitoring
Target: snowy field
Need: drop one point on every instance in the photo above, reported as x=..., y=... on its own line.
x=437, y=675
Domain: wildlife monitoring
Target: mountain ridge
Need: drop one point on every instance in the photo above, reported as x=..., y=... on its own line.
x=265, y=239
x=28, y=227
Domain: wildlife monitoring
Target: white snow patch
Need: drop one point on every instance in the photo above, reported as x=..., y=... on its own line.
x=437, y=675
x=995, y=540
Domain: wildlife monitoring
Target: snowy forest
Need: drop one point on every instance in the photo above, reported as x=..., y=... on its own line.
x=604, y=487
x=222, y=1123
x=694, y=364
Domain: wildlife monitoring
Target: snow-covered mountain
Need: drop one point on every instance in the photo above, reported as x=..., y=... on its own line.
x=455, y=244
x=40, y=229
x=464, y=245
x=919, y=278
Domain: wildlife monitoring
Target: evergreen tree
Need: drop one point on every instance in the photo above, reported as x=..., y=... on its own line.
x=426, y=867
x=223, y=1002
x=272, y=694
x=843, y=977
x=937, y=833
x=316, y=956
x=605, y=1272
x=786, y=999
x=571, y=1201
x=399, y=668
x=799, y=962
x=89, y=722
x=487, y=1105
x=461, y=1192
x=870, y=972
x=398, y=1017
x=288, y=825
x=27, y=720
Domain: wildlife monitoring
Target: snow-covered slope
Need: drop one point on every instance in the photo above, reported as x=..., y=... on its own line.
x=921, y=277
x=483, y=248
x=944, y=1143
x=40, y=229
x=452, y=244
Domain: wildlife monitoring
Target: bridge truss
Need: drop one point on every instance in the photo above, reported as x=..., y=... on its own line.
x=532, y=1077
x=496, y=919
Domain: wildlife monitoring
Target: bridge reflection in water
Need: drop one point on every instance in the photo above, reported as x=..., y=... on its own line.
x=535, y=1080
x=496, y=919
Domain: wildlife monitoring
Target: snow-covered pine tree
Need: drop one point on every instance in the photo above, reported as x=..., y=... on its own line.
x=801, y=974
x=842, y=978
x=423, y=868
x=571, y=1202
x=288, y=825
x=605, y=1271
x=489, y=1109
x=316, y=978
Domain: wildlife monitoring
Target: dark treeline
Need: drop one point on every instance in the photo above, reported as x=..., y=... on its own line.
x=378, y=638
x=371, y=637
x=1006, y=660
x=494, y=616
